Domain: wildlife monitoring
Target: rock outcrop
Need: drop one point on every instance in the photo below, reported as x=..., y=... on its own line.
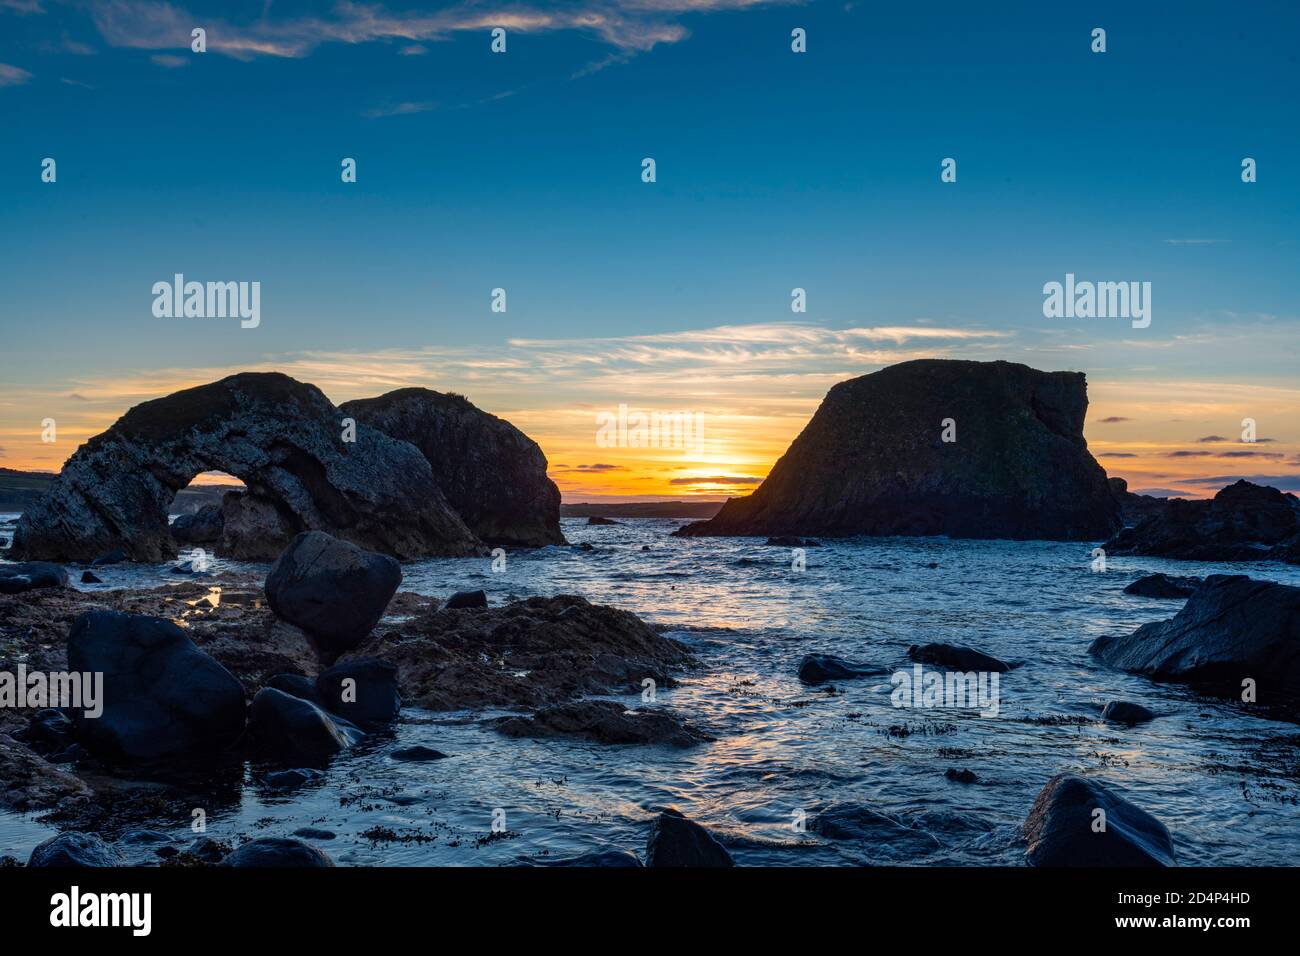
x=874, y=461
x=1231, y=628
x=1135, y=508
x=203, y=526
x=676, y=841
x=277, y=851
x=30, y=576
x=283, y=439
x=605, y=722
x=1164, y=586
x=292, y=728
x=1062, y=828
x=1243, y=522
x=956, y=657
x=820, y=668
x=490, y=472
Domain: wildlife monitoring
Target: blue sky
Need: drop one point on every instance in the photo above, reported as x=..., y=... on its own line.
x=775, y=170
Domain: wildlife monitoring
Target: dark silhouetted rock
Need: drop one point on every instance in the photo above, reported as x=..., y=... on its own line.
x=677, y=841
x=872, y=460
x=1135, y=508
x=961, y=776
x=116, y=556
x=73, y=849
x=606, y=722
x=291, y=779
x=314, y=833
x=163, y=697
x=1231, y=628
x=955, y=657
x=1164, y=586
x=289, y=727
x=202, y=527
x=417, y=754
x=282, y=438
x=464, y=599
x=820, y=668
x=598, y=520
x=1062, y=828
x=1243, y=522
x=490, y=472
x=1122, y=712
x=88, y=578
x=31, y=575
x=295, y=685
x=363, y=690
x=207, y=850
x=332, y=589
x=792, y=541
x=277, y=851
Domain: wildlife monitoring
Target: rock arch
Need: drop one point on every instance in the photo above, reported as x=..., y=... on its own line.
x=283, y=439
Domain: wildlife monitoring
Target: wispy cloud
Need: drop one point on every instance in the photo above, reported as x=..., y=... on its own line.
x=398, y=109
x=13, y=75
x=169, y=61
x=632, y=27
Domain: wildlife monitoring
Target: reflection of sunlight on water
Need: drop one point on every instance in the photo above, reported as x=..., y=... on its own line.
x=783, y=747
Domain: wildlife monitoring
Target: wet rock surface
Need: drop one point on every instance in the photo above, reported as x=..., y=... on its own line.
x=1231, y=629
x=675, y=841
x=1062, y=830
x=278, y=852
x=820, y=668
x=31, y=575
x=956, y=657
x=1164, y=586
x=290, y=728
x=73, y=849
x=606, y=722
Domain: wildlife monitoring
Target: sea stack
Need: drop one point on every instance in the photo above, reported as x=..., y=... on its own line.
x=931, y=447
x=490, y=472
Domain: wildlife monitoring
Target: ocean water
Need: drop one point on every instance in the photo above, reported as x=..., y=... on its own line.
x=1223, y=781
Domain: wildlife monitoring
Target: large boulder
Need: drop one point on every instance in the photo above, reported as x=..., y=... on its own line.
x=1243, y=522
x=74, y=849
x=282, y=438
x=956, y=657
x=677, y=841
x=820, y=668
x=873, y=460
x=1064, y=828
x=490, y=472
x=163, y=697
x=1231, y=628
x=332, y=589
x=1164, y=586
x=30, y=576
x=289, y=727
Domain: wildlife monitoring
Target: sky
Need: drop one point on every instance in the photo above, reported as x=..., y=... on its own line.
x=774, y=171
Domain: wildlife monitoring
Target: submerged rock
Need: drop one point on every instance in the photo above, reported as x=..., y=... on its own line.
x=961, y=776
x=277, y=851
x=1231, y=629
x=291, y=727
x=490, y=472
x=616, y=858
x=955, y=657
x=417, y=754
x=282, y=438
x=820, y=668
x=88, y=578
x=862, y=823
x=465, y=599
x=792, y=541
x=1064, y=829
x=1243, y=522
x=363, y=690
x=30, y=576
x=73, y=849
x=1123, y=712
x=874, y=461
x=606, y=722
x=677, y=841
x=163, y=697
x=1164, y=586
x=598, y=520
x=332, y=589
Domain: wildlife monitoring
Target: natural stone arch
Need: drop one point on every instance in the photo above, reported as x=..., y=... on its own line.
x=283, y=439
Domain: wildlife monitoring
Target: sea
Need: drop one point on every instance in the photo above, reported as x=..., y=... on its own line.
x=1222, y=779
